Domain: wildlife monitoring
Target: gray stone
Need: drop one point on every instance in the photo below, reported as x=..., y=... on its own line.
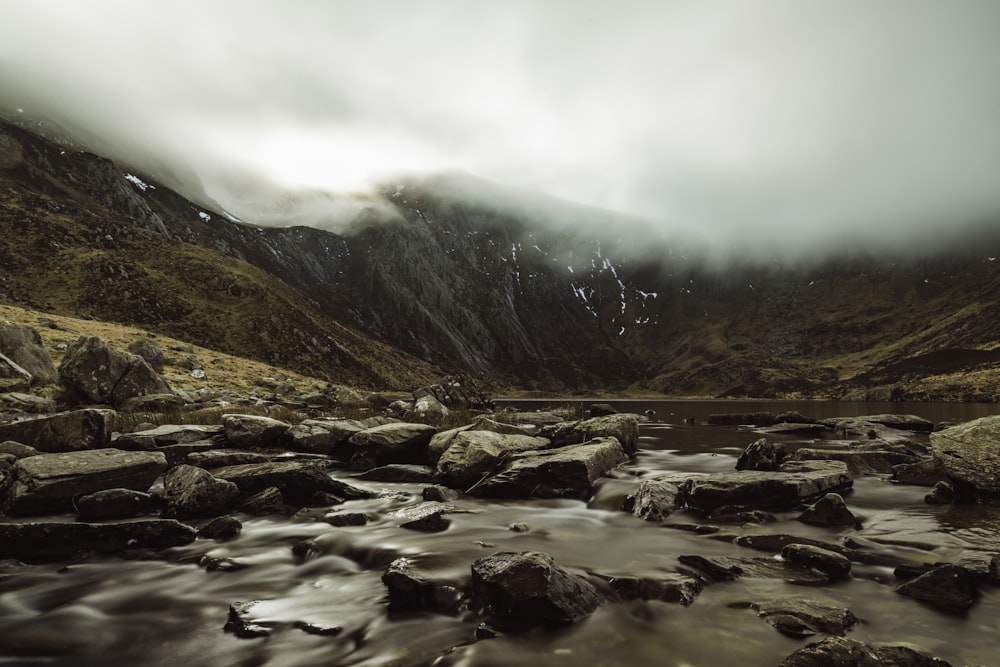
x=830, y=510
x=922, y=473
x=95, y=373
x=864, y=462
x=669, y=587
x=472, y=455
x=441, y=441
x=168, y=434
x=427, y=517
x=265, y=501
x=840, y=651
x=17, y=450
x=193, y=492
x=63, y=431
x=50, y=482
x=394, y=443
x=946, y=587
x=403, y=473
x=724, y=568
x=654, y=499
x=762, y=455
x=12, y=376
x=158, y=403
x=830, y=563
x=298, y=481
x=426, y=406
x=601, y=409
x=115, y=504
x=970, y=455
x=23, y=345
x=553, y=473
x=624, y=427
x=221, y=458
x=901, y=422
x=35, y=542
x=256, y=431
x=793, y=483
x=801, y=617
x=743, y=419
x=221, y=529
x=411, y=590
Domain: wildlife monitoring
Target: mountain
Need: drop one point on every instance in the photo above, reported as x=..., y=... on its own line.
x=452, y=275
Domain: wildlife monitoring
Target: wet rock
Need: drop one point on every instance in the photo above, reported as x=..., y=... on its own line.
x=941, y=493
x=23, y=345
x=473, y=455
x=115, y=504
x=723, y=568
x=256, y=431
x=830, y=563
x=762, y=455
x=800, y=617
x=33, y=542
x=17, y=450
x=442, y=441
x=95, y=373
x=946, y=587
x=601, y=409
x=298, y=481
x=777, y=542
x=394, y=443
x=624, y=427
x=654, y=499
x=743, y=419
x=216, y=458
x=922, y=473
x=969, y=453
x=672, y=587
x=63, y=431
x=192, y=492
x=438, y=493
x=426, y=517
x=566, y=472
x=794, y=428
x=837, y=651
x=16, y=401
x=404, y=473
x=530, y=588
x=341, y=519
x=830, y=510
x=12, y=376
x=792, y=484
x=410, y=590
x=729, y=514
x=221, y=529
x=869, y=462
x=48, y=483
x=242, y=624
x=266, y=501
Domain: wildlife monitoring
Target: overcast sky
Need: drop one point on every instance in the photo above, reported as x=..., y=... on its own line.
x=785, y=121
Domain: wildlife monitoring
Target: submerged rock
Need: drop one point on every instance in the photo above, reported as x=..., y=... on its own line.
x=410, y=590
x=95, y=373
x=193, y=492
x=830, y=563
x=830, y=510
x=792, y=484
x=671, y=587
x=115, y=504
x=723, y=568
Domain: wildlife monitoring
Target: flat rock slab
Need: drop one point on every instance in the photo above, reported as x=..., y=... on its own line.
x=34, y=542
x=49, y=482
x=969, y=454
x=801, y=617
x=624, y=427
x=865, y=462
x=394, y=443
x=793, y=483
x=63, y=431
x=168, y=434
x=724, y=568
x=298, y=481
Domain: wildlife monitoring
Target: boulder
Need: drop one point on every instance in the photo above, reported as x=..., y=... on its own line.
x=221, y=529
x=472, y=455
x=17, y=450
x=36, y=542
x=427, y=517
x=16, y=401
x=256, y=431
x=93, y=372
x=393, y=443
x=947, y=587
x=669, y=587
x=168, y=434
x=901, y=422
x=859, y=462
x=298, y=481
x=922, y=473
x=830, y=563
x=115, y=504
x=624, y=427
x=12, y=376
x=404, y=473
x=801, y=617
x=840, y=651
x=654, y=499
x=149, y=351
x=341, y=519
x=411, y=590
x=193, y=492
x=316, y=437
x=427, y=406
x=23, y=345
x=724, y=568
x=441, y=441
x=793, y=483
x=531, y=589
x=63, y=431
x=50, y=482
x=969, y=454
x=830, y=510
x=265, y=501
x=762, y=455
x=568, y=472
x=601, y=409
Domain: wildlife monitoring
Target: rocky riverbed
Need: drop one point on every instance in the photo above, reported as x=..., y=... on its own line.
x=517, y=538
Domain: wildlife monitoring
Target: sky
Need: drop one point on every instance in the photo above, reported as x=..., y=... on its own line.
x=790, y=124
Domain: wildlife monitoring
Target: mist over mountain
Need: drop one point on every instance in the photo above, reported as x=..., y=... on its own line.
x=776, y=128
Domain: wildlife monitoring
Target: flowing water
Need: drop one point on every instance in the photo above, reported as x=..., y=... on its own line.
x=171, y=610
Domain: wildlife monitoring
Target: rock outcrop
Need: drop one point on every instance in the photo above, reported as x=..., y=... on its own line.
x=93, y=372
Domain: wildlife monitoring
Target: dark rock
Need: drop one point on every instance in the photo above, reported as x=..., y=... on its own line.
x=777, y=542
x=438, y=493
x=191, y=492
x=729, y=514
x=722, y=568
x=23, y=345
x=33, y=542
x=49, y=482
x=922, y=473
x=149, y=351
x=256, y=431
x=473, y=455
x=95, y=373
x=792, y=484
x=795, y=418
x=409, y=590
x=868, y=462
x=624, y=427
x=12, y=376
x=222, y=458
x=946, y=587
x=168, y=434
x=222, y=528
x=601, y=409
x=843, y=652
x=800, y=617
x=394, y=443
x=941, y=493
x=241, y=623
x=427, y=517
x=901, y=422
x=63, y=431
x=159, y=403
x=566, y=472
x=743, y=419
x=266, y=501
x=530, y=588
x=14, y=401
x=969, y=453
x=830, y=563
x=17, y=450
x=115, y=504
x=341, y=519
x=654, y=499
x=405, y=473
x=830, y=510
x=298, y=481
x=673, y=587
x=762, y=455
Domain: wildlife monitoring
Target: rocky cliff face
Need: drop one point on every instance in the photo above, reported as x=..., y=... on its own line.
x=442, y=281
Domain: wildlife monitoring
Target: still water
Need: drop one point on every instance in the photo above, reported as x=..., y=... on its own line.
x=171, y=610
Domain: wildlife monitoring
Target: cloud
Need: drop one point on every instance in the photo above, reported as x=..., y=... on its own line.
x=779, y=123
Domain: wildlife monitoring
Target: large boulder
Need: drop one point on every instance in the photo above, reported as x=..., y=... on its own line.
x=829, y=510
x=166, y=435
x=194, y=492
x=654, y=499
x=12, y=376
x=440, y=442
x=35, y=542
x=530, y=588
x=565, y=472
x=93, y=372
x=393, y=443
x=843, y=652
x=256, y=431
x=23, y=345
x=298, y=481
x=625, y=427
x=969, y=454
x=793, y=483
x=64, y=431
x=473, y=455
x=49, y=482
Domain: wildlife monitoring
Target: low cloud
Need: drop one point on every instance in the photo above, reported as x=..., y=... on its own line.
x=779, y=124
